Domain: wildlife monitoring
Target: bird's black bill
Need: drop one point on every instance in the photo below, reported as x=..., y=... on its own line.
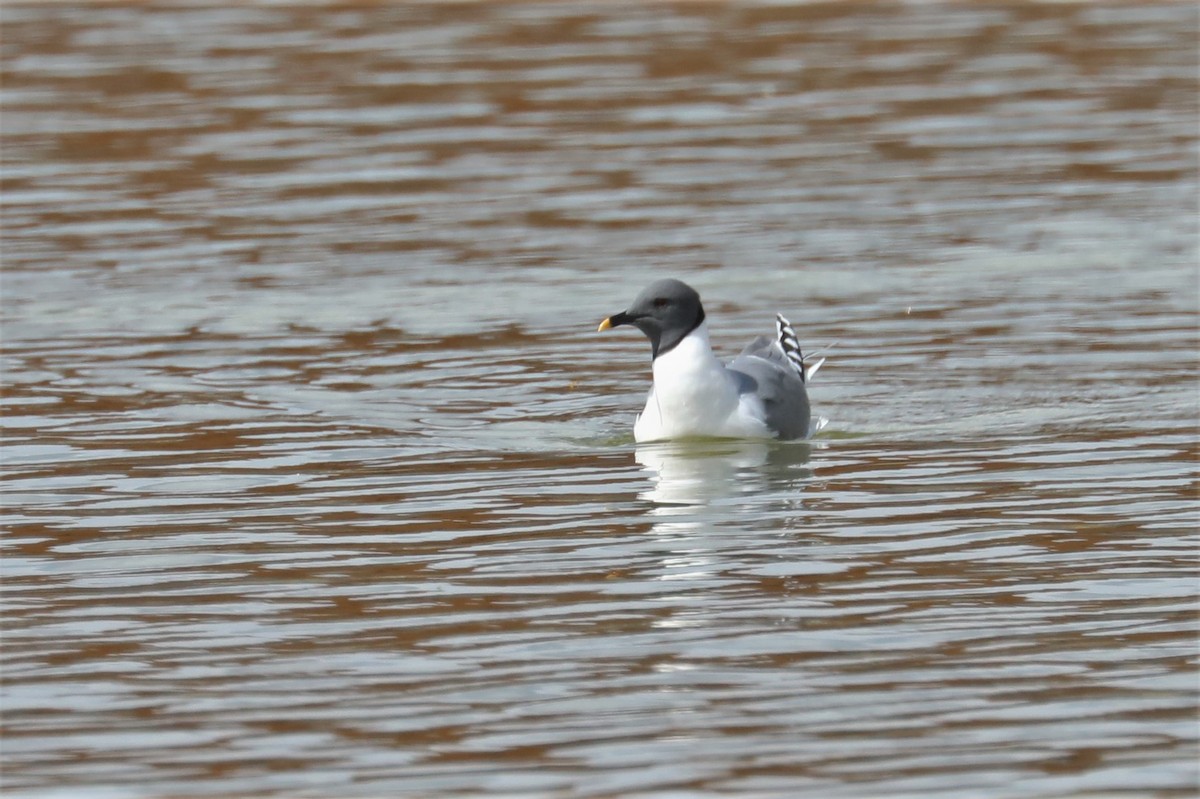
x=616, y=320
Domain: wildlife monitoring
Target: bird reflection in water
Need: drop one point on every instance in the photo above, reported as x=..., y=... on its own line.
x=686, y=474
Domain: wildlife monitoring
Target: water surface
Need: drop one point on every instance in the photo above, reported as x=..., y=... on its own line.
x=318, y=482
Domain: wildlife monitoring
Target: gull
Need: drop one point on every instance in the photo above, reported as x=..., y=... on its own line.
x=759, y=394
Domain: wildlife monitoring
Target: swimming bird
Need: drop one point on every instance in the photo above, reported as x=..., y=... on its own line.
x=759, y=394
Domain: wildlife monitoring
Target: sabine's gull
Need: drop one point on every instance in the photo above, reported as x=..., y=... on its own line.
x=759, y=394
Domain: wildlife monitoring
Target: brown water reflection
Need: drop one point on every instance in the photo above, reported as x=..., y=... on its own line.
x=317, y=482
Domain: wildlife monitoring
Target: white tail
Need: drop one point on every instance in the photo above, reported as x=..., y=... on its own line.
x=811, y=369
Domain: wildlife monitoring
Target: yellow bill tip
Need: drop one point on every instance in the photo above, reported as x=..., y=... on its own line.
x=605, y=325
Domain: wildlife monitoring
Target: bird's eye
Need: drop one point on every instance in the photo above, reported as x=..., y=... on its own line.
x=661, y=302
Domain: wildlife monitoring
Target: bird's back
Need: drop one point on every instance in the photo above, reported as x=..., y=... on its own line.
x=765, y=373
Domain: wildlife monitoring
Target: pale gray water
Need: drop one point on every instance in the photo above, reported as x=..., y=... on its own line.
x=319, y=483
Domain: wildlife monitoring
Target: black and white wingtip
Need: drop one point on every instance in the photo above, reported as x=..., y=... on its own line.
x=791, y=349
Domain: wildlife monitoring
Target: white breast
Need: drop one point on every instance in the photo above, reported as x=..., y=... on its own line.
x=694, y=395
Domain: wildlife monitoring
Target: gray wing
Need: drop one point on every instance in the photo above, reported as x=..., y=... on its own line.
x=762, y=369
